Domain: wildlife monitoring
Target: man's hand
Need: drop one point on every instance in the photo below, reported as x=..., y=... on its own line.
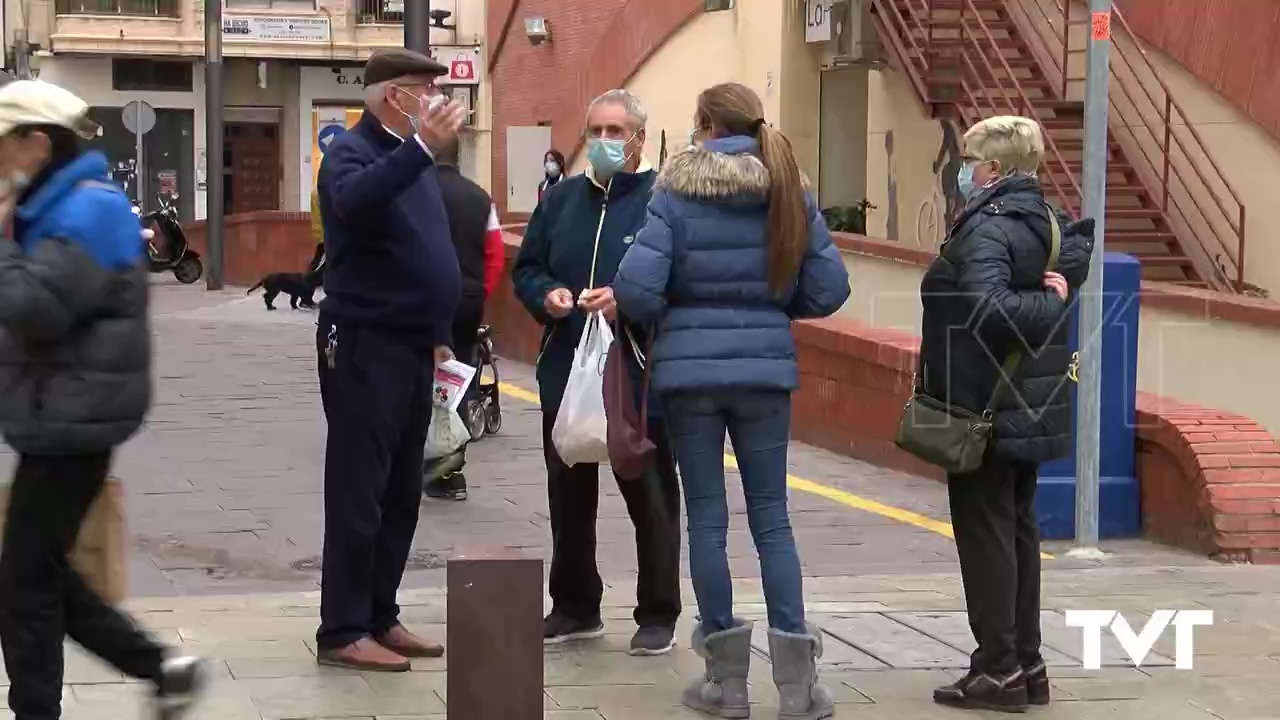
x=438, y=126
x=442, y=354
x=599, y=300
x=558, y=303
x=1058, y=284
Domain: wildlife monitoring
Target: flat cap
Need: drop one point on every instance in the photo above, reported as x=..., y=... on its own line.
x=386, y=65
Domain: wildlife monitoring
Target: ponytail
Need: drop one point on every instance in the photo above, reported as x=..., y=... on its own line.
x=788, y=213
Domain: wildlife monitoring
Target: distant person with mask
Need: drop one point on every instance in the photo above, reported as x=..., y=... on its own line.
x=572, y=247
x=553, y=165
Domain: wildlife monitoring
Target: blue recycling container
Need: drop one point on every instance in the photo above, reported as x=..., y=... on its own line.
x=1120, y=509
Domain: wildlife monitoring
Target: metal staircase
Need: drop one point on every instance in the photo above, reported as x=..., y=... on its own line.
x=1168, y=204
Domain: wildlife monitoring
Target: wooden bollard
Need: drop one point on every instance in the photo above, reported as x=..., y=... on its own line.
x=494, y=635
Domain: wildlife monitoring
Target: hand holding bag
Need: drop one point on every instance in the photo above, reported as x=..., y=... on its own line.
x=580, y=433
x=630, y=449
x=950, y=436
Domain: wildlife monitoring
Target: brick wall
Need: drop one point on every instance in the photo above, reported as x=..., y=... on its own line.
x=1210, y=480
x=258, y=243
x=594, y=47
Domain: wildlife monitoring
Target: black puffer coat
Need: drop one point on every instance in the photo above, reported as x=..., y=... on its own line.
x=984, y=297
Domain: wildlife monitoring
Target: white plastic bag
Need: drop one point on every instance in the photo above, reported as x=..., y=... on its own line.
x=447, y=432
x=581, y=433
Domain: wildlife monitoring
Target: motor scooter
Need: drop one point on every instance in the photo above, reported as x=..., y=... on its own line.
x=177, y=256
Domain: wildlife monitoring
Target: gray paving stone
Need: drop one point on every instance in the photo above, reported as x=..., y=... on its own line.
x=894, y=643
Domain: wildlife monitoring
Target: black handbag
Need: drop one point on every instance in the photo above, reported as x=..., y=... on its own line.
x=951, y=437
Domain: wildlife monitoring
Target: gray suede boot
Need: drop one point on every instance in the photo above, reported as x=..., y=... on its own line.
x=795, y=672
x=722, y=690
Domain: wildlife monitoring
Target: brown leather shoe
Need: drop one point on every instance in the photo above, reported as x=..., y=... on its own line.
x=364, y=654
x=399, y=640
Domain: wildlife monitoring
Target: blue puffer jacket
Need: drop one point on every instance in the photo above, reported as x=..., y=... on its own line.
x=699, y=270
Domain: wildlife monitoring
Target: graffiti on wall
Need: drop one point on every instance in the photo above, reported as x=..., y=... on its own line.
x=937, y=210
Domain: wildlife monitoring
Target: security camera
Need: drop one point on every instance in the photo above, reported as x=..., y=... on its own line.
x=438, y=17
x=535, y=28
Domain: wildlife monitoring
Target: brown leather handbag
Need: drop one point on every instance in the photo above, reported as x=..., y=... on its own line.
x=630, y=449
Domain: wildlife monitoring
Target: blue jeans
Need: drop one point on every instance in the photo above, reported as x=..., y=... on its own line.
x=759, y=426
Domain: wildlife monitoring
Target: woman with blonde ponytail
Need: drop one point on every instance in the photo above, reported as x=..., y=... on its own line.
x=733, y=250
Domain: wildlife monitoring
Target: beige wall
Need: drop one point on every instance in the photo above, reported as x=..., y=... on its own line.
x=759, y=44
x=1220, y=364
x=902, y=144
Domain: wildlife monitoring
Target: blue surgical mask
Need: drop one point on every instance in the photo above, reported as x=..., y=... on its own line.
x=606, y=156
x=964, y=181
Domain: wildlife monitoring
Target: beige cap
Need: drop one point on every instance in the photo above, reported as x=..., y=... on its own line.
x=34, y=102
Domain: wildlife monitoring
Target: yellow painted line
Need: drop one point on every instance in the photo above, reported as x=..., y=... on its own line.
x=834, y=494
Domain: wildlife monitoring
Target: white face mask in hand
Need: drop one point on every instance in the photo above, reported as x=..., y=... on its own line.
x=431, y=102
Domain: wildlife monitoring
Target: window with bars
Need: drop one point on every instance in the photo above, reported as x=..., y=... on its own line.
x=380, y=12
x=139, y=8
x=277, y=5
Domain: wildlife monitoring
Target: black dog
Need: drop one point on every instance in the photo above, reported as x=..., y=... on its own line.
x=300, y=287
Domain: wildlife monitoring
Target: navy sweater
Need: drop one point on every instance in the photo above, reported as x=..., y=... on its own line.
x=390, y=260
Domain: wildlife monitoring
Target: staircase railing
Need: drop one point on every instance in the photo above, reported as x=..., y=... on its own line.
x=1163, y=144
x=977, y=57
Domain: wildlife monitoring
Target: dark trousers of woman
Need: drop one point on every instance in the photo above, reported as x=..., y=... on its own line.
x=993, y=516
x=43, y=600
x=653, y=502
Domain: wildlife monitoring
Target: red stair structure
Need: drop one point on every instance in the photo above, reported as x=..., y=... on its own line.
x=1168, y=203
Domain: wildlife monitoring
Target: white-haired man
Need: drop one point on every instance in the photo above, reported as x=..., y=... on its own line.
x=391, y=288
x=572, y=247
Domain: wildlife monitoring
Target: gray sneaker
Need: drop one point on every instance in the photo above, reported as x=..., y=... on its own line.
x=653, y=640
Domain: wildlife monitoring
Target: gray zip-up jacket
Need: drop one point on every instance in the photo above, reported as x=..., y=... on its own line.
x=75, y=342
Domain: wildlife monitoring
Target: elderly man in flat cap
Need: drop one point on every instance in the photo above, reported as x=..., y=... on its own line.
x=391, y=287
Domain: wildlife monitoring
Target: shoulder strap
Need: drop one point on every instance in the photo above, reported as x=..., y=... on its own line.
x=1011, y=363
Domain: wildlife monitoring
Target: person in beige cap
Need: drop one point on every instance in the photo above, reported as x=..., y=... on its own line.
x=392, y=285
x=75, y=382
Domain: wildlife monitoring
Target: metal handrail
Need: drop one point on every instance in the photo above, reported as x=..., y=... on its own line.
x=1163, y=169
x=1025, y=108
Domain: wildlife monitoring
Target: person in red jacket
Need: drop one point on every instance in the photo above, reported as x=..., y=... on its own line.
x=477, y=238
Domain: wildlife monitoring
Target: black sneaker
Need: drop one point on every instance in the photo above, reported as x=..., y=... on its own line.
x=1004, y=693
x=1037, y=684
x=450, y=487
x=653, y=640
x=181, y=681
x=557, y=629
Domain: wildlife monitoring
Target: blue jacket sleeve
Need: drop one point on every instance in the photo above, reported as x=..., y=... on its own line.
x=531, y=274
x=640, y=286
x=823, y=284
x=357, y=184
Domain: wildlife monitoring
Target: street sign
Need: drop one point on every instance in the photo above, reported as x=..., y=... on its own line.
x=138, y=117
x=328, y=134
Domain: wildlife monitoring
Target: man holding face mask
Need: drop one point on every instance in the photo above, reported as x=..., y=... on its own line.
x=392, y=285
x=572, y=247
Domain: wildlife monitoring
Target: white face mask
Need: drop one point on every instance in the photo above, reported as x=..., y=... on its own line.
x=553, y=168
x=431, y=102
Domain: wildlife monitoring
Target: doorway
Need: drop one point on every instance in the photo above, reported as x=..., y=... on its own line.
x=251, y=167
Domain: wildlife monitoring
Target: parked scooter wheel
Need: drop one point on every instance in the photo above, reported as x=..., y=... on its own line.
x=189, y=270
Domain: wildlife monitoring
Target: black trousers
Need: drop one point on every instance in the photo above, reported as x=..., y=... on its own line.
x=377, y=401
x=43, y=600
x=998, y=540
x=653, y=502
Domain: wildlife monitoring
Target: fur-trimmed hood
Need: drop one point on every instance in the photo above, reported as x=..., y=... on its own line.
x=717, y=170
x=725, y=169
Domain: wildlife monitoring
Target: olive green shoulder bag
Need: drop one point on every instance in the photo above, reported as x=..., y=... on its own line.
x=950, y=436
